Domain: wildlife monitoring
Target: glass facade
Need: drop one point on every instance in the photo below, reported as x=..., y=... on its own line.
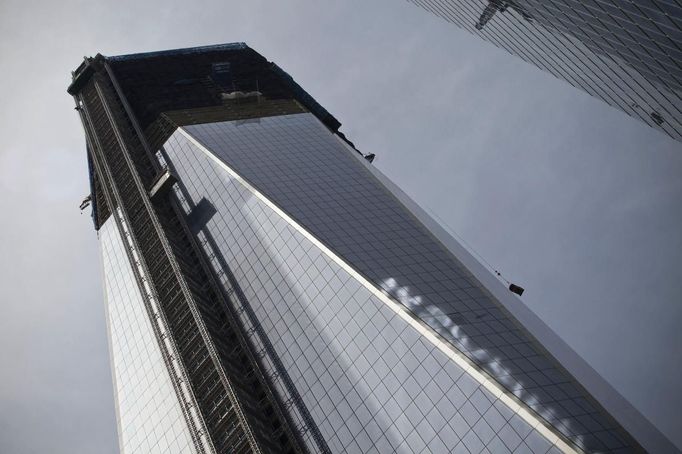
x=370, y=381
x=282, y=191
x=149, y=415
x=625, y=52
x=269, y=291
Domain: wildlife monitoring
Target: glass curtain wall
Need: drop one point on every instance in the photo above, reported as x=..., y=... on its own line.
x=626, y=52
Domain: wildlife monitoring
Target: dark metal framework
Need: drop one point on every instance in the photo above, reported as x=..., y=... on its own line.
x=129, y=105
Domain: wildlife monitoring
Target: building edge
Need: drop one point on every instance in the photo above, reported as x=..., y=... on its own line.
x=606, y=395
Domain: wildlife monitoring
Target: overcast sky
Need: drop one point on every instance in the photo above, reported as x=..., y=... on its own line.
x=570, y=198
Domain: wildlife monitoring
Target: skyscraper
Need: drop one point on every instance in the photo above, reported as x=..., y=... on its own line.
x=626, y=52
x=268, y=290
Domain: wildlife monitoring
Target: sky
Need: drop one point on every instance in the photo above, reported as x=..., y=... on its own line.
x=568, y=197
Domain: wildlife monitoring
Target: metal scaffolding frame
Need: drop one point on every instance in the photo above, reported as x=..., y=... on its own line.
x=225, y=395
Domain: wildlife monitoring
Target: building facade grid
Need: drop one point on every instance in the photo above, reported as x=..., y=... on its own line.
x=343, y=206
x=371, y=382
x=350, y=212
x=627, y=53
x=149, y=416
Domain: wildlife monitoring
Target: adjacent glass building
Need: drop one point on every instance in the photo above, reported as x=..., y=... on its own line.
x=268, y=290
x=626, y=52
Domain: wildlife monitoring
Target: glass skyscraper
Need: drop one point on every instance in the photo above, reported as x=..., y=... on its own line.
x=268, y=290
x=626, y=52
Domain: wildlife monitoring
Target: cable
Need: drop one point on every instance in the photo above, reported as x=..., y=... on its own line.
x=469, y=248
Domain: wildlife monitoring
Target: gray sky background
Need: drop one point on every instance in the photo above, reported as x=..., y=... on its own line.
x=568, y=197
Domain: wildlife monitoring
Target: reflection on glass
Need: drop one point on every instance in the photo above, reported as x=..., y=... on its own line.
x=626, y=53
x=149, y=416
x=350, y=366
